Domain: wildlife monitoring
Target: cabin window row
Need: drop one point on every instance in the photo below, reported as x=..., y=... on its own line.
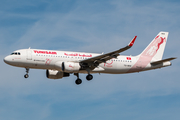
x=80, y=58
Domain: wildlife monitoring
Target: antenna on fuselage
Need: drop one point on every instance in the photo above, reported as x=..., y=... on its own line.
x=29, y=47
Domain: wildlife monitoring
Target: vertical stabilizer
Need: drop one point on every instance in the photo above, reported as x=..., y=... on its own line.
x=155, y=49
x=153, y=52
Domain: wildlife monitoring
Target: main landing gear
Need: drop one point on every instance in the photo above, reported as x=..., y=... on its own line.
x=89, y=77
x=79, y=81
x=27, y=71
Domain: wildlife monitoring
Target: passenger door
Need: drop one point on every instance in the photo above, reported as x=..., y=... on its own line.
x=29, y=54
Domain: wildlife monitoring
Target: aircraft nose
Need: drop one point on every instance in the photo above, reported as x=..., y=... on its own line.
x=7, y=60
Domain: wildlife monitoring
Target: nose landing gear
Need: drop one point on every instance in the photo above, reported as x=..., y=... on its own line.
x=26, y=76
x=27, y=71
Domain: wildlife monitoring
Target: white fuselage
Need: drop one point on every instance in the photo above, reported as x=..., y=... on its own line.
x=59, y=64
x=48, y=59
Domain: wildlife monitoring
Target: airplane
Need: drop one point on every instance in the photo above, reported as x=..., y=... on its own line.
x=59, y=64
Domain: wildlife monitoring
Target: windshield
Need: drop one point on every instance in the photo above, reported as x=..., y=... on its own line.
x=16, y=53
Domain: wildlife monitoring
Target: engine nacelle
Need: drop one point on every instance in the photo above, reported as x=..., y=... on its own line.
x=70, y=67
x=54, y=74
x=58, y=65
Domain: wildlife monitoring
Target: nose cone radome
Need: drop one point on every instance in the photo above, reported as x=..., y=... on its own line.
x=7, y=60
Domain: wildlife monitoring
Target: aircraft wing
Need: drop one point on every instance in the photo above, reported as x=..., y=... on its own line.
x=105, y=57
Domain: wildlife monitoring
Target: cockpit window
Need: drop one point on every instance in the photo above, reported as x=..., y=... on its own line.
x=16, y=53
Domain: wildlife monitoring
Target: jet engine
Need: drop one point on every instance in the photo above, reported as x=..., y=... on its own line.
x=54, y=74
x=58, y=65
x=70, y=67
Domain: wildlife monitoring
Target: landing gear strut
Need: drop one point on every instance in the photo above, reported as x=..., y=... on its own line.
x=89, y=76
x=27, y=71
x=78, y=81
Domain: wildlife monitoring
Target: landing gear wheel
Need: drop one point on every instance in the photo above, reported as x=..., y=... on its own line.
x=78, y=81
x=27, y=71
x=26, y=76
x=89, y=77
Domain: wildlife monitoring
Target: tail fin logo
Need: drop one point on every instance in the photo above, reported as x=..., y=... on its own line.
x=154, y=47
x=153, y=51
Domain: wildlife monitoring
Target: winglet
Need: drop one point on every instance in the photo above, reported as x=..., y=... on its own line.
x=132, y=41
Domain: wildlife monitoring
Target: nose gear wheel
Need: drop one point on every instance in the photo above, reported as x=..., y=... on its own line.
x=26, y=76
x=27, y=71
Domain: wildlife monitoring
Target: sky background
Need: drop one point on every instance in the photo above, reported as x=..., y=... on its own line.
x=89, y=26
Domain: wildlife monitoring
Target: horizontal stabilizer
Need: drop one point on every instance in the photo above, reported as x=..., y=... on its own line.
x=161, y=61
